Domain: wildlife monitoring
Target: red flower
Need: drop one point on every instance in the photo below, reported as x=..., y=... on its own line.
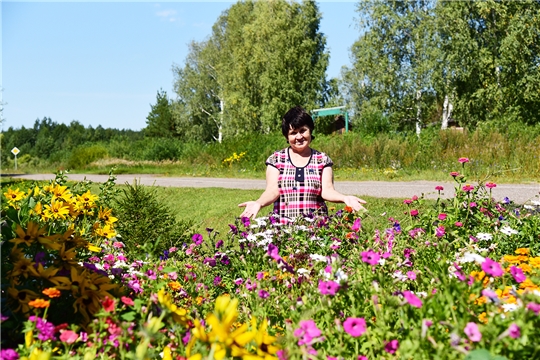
x=108, y=304
x=128, y=301
x=491, y=185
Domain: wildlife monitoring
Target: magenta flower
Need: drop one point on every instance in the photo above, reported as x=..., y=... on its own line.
x=513, y=331
x=197, y=239
x=355, y=326
x=328, y=287
x=414, y=212
x=458, y=224
x=440, y=231
x=357, y=225
x=411, y=275
x=442, y=216
x=467, y=188
x=491, y=185
x=273, y=252
x=518, y=274
x=263, y=294
x=8, y=354
x=492, y=268
x=471, y=330
x=412, y=299
x=463, y=160
x=391, y=346
x=307, y=332
x=371, y=257
x=362, y=357
x=534, y=307
x=454, y=174
x=439, y=188
x=407, y=201
x=68, y=336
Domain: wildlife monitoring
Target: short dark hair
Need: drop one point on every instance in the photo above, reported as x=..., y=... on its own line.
x=295, y=118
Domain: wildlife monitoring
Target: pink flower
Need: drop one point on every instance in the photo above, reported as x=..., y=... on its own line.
x=357, y=225
x=197, y=239
x=411, y=275
x=362, y=357
x=534, y=307
x=391, y=346
x=514, y=331
x=491, y=185
x=307, y=332
x=467, y=188
x=518, y=274
x=472, y=204
x=407, y=201
x=328, y=287
x=414, y=212
x=370, y=257
x=439, y=231
x=458, y=223
x=127, y=300
x=355, y=326
x=439, y=188
x=454, y=174
x=441, y=216
x=68, y=336
x=463, y=160
x=492, y=268
x=412, y=299
x=471, y=330
x=263, y=294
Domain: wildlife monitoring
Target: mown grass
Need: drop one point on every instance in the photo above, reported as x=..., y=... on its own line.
x=216, y=208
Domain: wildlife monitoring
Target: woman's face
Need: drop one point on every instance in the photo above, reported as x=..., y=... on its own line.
x=299, y=139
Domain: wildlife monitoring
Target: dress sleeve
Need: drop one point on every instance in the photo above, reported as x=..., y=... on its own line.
x=327, y=161
x=272, y=160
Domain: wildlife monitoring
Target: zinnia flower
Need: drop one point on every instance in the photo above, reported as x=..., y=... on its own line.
x=68, y=336
x=463, y=160
x=355, y=326
x=471, y=330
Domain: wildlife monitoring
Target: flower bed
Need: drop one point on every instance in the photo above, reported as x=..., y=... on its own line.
x=447, y=280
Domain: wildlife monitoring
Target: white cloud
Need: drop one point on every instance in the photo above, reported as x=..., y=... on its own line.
x=167, y=15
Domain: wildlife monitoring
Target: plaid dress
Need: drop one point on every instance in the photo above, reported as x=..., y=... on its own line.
x=299, y=187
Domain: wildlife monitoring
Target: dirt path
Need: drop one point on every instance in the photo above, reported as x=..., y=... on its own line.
x=519, y=193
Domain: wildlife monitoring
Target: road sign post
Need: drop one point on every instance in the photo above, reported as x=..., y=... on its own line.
x=15, y=151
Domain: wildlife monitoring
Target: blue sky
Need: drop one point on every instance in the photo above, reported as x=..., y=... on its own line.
x=102, y=63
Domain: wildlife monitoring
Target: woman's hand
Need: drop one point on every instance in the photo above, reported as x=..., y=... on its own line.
x=354, y=202
x=251, y=209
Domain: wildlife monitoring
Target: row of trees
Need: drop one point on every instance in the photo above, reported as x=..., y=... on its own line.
x=416, y=62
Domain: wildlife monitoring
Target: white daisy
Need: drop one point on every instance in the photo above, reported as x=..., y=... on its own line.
x=484, y=236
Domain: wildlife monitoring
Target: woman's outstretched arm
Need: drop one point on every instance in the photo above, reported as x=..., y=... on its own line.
x=269, y=196
x=328, y=192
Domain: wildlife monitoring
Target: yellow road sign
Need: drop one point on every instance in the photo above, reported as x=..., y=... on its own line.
x=15, y=151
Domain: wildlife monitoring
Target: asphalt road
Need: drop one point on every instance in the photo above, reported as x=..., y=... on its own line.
x=519, y=193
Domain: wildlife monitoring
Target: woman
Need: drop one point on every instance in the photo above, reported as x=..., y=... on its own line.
x=298, y=178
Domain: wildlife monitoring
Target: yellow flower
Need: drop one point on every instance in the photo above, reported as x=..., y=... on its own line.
x=33, y=232
x=106, y=215
x=512, y=259
x=14, y=195
x=483, y=318
x=522, y=251
x=87, y=199
x=535, y=262
x=60, y=192
x=23, y=297
x=167, y=353
x=94, y=248
x=528, y=285
x=25, y=267
x=105, y=231
x=57, y=210
x=179, y=314
x=39, y=303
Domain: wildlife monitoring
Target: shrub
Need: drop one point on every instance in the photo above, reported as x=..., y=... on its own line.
x=84, y=155
x=147, y=225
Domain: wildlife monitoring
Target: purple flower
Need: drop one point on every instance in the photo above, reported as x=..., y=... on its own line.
x=514, y=331
x=534, y=307
x=412, y=299
x=518, y=274
x=234, y=229
x=197, y=239
x=370, y=257
x=355, y=326
x=328, y=287
x=217, y=281
x=273, y=252
x=471, y=330
x=263, y=294
x=357, y=225
x=210, y=261
x=250, y=285
x=490, y=294
x=440, y=231
x=492, y=268
x=239, y=281
x=245, y=221
x=8, y=354
x=46, y=330
x=219, y=244
x=391, y=346
x=225, y=260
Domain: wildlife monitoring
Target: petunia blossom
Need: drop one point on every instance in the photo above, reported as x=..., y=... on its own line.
x=518, y=274
x=412, y=299
x=355, y=326
x=492, y=268
x=472, y=331
x=328, y=287
x=371, y=257
x=391, y=347
x=514, y=331
x=68, y=336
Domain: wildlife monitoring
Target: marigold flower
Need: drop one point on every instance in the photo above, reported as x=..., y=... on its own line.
x=175, y=285
x=39, y=303
x=522, y=251
x=52, y=292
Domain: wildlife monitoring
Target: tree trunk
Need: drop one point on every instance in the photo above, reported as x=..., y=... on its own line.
x=447, y=112
x=418, y=112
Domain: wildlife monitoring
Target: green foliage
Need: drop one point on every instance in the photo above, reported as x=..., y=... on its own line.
x=84, y=155
x=147, y=225
x=162, y=149
x=160, y=121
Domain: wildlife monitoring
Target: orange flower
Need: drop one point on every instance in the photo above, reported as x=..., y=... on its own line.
x=535, y=262
x=175, y=285
x=522, y=251
x=483, y=318
x=39, y=303
x=348, y=209
x=52, y=292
